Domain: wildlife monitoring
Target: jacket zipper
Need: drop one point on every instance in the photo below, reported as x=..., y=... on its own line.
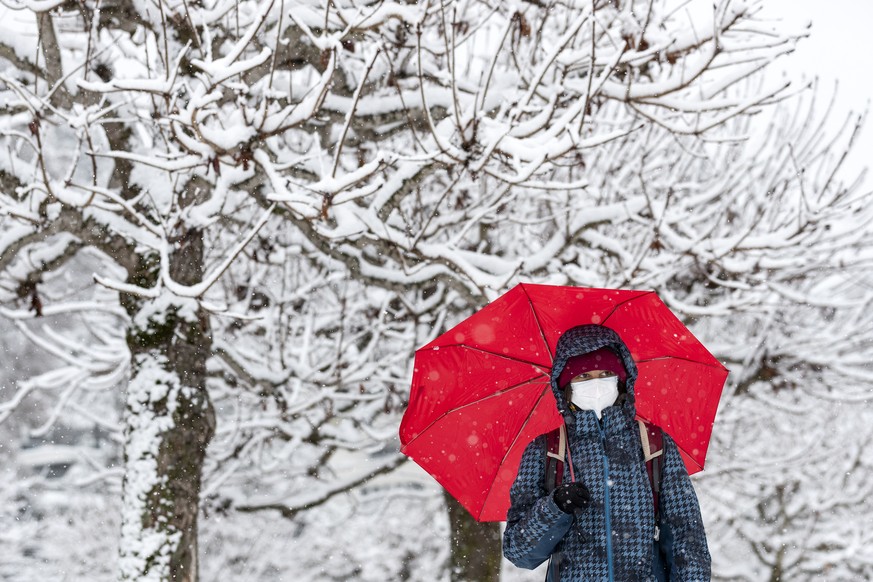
x=606, y=503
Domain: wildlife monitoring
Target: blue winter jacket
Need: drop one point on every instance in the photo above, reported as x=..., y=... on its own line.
x=607, y=457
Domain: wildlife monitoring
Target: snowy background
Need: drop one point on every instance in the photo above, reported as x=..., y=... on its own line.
x=314, y=322
x=833, y=55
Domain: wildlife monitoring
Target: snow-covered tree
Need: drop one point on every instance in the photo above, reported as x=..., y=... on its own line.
x=282, y=199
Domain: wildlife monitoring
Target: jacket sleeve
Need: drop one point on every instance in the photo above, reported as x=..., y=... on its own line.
x=534, y=524
x=680, y=511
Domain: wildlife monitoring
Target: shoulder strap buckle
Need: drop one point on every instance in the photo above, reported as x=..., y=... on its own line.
x=648, y=438
x=560, y=453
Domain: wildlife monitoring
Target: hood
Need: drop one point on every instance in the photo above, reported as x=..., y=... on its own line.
x=583, y=339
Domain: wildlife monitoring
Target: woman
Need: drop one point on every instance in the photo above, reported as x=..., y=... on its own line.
x=600, y=523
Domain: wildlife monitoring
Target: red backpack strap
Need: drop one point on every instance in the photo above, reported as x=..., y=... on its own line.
x=652, y=439
x=556, y=453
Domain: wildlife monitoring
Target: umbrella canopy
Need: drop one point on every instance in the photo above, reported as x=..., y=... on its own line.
x=481, y=391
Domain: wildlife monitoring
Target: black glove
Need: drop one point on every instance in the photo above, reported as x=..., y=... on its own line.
x=570, y=497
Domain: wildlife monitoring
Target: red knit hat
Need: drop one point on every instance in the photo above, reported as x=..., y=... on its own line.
x=602, y=359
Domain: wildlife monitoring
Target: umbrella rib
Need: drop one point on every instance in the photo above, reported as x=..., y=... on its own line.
x=643, y=294
x=539, y=325
x=718, y=366
x=512, y=445
x=490, y=396
x=620, y=303
x=484, y=351
x=457, y=408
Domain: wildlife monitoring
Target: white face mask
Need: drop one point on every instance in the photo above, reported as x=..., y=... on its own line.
x=595, y=394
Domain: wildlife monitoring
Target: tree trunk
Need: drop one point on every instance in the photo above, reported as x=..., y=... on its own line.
x=169, y=423
x=476, y=547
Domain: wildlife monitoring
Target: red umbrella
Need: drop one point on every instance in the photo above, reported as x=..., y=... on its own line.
x=480, y=392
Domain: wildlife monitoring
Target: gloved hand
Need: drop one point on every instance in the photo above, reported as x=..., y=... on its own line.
x=570, y=497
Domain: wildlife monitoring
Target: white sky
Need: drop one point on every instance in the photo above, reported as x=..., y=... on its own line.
x=838, y=50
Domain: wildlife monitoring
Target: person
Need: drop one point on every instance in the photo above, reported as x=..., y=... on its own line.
x=599, y=524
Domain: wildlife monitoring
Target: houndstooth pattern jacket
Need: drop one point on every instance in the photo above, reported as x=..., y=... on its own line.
x=606, y=456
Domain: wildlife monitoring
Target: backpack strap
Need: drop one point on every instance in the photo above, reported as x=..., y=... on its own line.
x=556, y=454
x=652, y=439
